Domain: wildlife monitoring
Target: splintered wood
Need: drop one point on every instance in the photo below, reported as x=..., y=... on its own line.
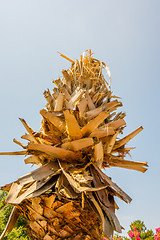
x=68, y=196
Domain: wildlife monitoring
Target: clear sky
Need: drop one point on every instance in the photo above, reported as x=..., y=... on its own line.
x=123, y=33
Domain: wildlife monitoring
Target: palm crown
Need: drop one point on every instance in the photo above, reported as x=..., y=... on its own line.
x=77, y=139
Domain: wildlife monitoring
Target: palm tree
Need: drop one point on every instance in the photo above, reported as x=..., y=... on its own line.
x=69, y=196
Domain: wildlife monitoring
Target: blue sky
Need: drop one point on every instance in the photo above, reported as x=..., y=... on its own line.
x=124, y=34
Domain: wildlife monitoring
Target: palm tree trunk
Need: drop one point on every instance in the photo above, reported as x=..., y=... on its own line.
x=56, y=218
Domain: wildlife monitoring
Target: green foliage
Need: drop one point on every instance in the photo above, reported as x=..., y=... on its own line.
x=117, y=237
x=138, y=231
x=19, y=231
x=139, y=225
x=148, y=235
x=141, y=228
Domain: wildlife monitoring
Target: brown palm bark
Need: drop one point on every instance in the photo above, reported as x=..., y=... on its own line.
x=53, y=218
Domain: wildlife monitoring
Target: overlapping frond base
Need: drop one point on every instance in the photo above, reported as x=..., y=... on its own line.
x=56, y=218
